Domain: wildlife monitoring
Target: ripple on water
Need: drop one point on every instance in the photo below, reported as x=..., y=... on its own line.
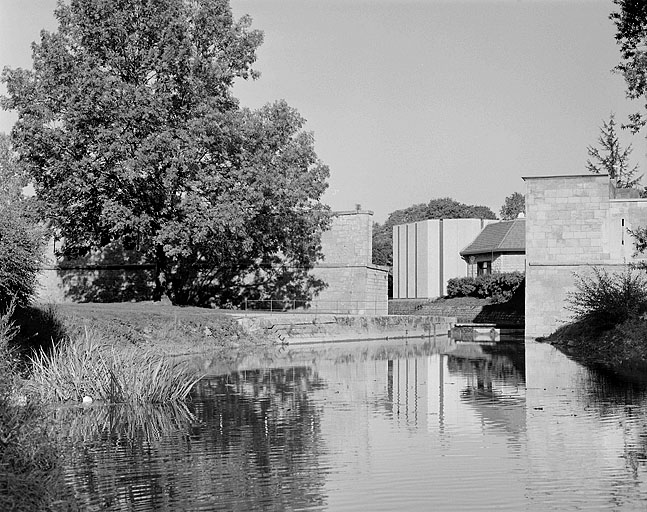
x=490, y=430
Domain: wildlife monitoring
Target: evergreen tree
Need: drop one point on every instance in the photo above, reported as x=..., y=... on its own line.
x=610, y=158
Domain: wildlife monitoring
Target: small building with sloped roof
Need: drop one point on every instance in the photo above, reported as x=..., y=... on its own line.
x=499, y=247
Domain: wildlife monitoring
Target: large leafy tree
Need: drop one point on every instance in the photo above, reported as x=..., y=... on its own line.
x=442, y=208
x=514, y=204
x=611, y=158
x=631, y=36
x=131, y=135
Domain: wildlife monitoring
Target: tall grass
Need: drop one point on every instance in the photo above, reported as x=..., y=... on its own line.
x=29, y=463
x=88, y=365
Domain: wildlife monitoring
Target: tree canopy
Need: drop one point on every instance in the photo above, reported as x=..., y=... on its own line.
x=631, y=36
x=514, y=204
x=611, y=158
x=131, y=135
x=442, y=208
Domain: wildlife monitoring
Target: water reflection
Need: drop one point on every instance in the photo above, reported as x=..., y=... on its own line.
x=382, y=426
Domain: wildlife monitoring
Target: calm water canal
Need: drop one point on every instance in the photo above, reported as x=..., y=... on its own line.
x=430, y=425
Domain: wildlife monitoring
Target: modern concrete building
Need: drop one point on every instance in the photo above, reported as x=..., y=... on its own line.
x=426, y=255
x=500, y=247
x=573, y=223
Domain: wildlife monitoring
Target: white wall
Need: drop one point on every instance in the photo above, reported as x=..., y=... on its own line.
x=426, y=255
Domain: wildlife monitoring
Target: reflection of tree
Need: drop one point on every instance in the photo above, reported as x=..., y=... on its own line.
x=251, y=440
x=113, y=453
x=623, y=401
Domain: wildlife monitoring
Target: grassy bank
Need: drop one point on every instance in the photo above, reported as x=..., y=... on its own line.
x=124, y=352
x=166, y=329
x=609, y=327
x=29, y=461
x=115, y=352
x=621, y=349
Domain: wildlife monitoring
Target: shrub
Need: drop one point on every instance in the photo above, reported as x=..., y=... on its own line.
x=21, y=254
x=499, y=286
x=606, y=299
x=461, y=287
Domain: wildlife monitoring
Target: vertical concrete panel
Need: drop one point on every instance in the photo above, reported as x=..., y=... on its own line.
x=402, y=248
x=422, y=259
x=412, y=260
x=396, y=262
x=427, y=254
x=458, y=233
x=433, y=257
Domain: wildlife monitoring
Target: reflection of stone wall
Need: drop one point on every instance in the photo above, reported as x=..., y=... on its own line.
x=572, y=223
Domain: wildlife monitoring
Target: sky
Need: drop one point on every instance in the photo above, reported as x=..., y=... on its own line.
x=412, y=100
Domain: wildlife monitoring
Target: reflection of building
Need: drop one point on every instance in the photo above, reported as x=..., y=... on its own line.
x=500, y=247
x=431, y=392
x=426, y=255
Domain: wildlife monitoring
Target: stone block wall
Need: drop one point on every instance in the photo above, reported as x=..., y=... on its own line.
x=355, y=285
x=566, y=219
x=509, y=263
x=573, y=223
x=349, y=240
x=352, y=290
x=111, y=275
x=117, y=275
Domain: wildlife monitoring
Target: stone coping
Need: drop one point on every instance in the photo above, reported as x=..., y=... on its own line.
x=553, y=176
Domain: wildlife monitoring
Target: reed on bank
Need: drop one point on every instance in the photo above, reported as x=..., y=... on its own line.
x=90, y=366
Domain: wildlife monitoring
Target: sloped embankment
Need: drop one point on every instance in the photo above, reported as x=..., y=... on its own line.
x=510, y=314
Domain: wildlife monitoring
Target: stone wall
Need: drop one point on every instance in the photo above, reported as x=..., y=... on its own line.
x=349, y=240
x=506, y=262
x=111, y=275
x=572, y=224
x=355, y=285
x=509, y=263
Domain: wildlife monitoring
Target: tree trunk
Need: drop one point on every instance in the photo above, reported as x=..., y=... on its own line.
x=160, y=291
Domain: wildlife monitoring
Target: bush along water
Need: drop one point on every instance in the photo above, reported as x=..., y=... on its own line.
x=88, y=367
x=608, y=326
x=499, y=286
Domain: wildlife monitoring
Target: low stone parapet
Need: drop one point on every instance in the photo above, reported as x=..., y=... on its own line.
x=309, y=328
